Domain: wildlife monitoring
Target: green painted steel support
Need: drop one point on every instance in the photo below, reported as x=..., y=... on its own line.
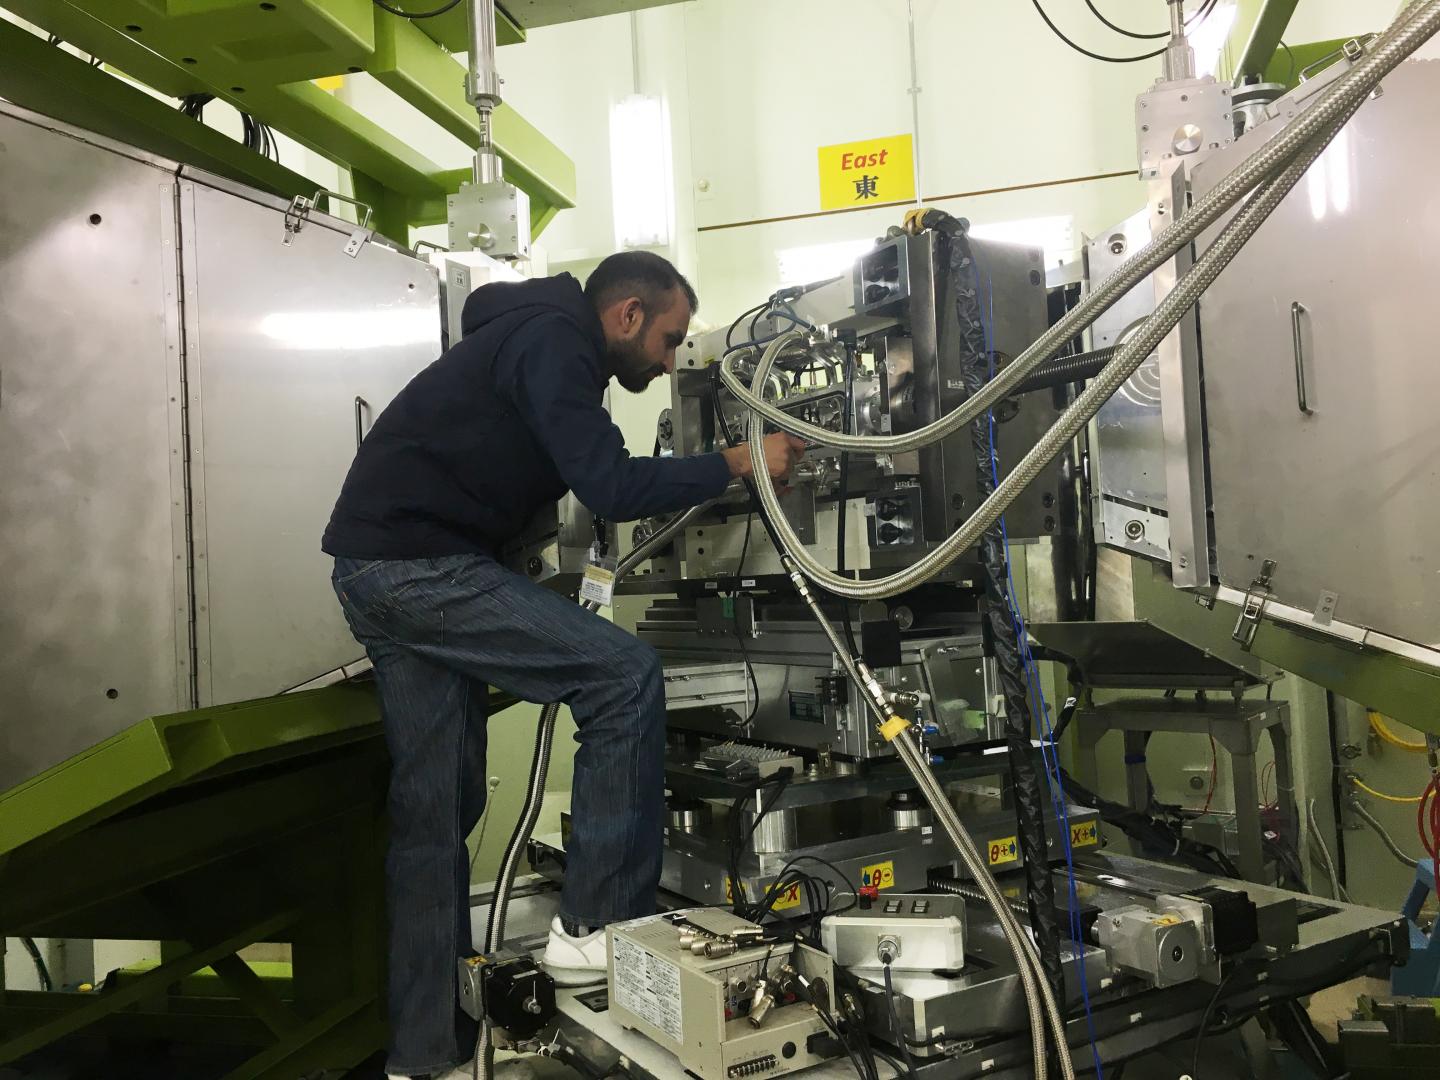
x=1263, y=22
x=267, y=814
x=162, y=752
x=260, y=60
x=50, y=80
x=438, y=90
x=1397, y=687
x=104, y=1004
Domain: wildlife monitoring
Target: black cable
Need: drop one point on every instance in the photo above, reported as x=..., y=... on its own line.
x=1337, y=783
x=1195, y=19
x=1205, y=1021
x=961, y=286
x=1290, y=76
x=729, y=344
x=41, y=970
x=735, y=619
x=417, y=14
x=1086, y=52
x=738, y=844
x=844, y=496
x=895, y=1021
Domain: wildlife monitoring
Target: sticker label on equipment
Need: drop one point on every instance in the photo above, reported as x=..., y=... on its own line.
x=789, y=898
x=598, y=585
x=1084, y=835
x=647, y=986
x=1002, y=851
x=881, y=875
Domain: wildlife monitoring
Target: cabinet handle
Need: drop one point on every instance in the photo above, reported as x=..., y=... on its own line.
x=1298, y=309
x=360, y=406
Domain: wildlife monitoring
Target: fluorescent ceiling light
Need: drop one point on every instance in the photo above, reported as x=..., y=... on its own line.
x=816, y=262
x=1208, y=39
x=1055, y=235
x=640, y=171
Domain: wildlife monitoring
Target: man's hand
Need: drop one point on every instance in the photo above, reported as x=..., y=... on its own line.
x=782, y=452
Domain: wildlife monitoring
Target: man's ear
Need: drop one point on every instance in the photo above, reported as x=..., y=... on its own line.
x=632, y=314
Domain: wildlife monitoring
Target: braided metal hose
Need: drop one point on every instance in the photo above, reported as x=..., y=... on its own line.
x=1395, y=45
x=1038, y=999
x=1410, y=30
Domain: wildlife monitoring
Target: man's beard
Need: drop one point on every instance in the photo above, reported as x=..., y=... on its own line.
x=632, y=370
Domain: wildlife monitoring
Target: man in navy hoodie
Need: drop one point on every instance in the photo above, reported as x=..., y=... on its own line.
x=505, y=423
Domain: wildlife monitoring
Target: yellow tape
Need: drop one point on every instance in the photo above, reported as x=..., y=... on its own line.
x=893, y=727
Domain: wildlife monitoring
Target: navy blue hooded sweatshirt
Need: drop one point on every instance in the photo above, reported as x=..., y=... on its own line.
x=506, y=422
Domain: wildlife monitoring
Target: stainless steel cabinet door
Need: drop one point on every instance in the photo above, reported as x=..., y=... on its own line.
x=286, y=345
x=1321, y=376
x=94, y=611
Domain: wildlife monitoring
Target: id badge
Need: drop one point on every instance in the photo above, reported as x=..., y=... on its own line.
x=598, y=584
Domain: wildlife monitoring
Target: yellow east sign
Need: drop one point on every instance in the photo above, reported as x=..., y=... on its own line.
x=872, y=171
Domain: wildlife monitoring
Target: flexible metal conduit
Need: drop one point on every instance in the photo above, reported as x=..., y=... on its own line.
x=1039, y=1001
x=1411, y=29
x=1338, y=105
x=535, y=789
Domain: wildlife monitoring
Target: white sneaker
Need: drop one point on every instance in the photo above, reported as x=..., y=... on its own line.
x=575, y=961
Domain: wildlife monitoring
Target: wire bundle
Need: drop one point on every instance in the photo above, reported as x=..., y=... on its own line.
x=1194, y=20
x=1427, y=819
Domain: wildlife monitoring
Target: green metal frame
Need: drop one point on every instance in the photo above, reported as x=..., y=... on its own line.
x=1400, y=688
x=261, y=58
x=1261, y=25
x=211, y=831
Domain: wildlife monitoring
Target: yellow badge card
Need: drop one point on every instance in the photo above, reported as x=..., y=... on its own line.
x=868, y=172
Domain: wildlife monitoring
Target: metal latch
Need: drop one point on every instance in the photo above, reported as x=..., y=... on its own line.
x=1256, y=597
x=298, y=212
x=295, y=215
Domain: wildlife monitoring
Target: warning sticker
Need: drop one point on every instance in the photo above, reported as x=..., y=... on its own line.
x=647, y=986
x=1084, y=834
x=1004, y=850
x=789, y=896
x=881, y=875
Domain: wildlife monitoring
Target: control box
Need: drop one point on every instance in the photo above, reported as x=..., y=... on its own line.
x=912, y=931
x=727, y=997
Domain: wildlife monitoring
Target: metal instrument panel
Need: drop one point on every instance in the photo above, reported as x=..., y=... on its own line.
x=95, y=614
x=1324, y=451
x=294, y=351
x=1129, y=443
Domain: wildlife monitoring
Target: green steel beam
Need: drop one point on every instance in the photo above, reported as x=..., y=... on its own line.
x=1287, y=64
x=103, y=1004
x=165, y=751
x=52, y=81
x=404, y=62
x=1263, y=24
x=205, y=48
x=451, y=31
x=1397, y=687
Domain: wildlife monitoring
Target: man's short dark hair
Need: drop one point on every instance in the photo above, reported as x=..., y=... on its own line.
x=637, y=273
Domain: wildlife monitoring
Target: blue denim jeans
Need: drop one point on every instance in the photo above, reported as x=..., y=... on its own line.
x=439, y=632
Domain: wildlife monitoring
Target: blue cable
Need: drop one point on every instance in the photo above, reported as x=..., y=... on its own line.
x=1049, y=751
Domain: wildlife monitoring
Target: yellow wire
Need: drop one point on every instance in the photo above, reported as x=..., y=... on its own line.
x=1380, y=794
x=1377, y=723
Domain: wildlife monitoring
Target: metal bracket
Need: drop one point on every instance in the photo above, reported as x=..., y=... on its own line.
x=298, y=213
x=1256, y=597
